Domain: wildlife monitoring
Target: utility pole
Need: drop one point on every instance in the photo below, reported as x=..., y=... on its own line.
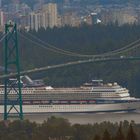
x=12, y=93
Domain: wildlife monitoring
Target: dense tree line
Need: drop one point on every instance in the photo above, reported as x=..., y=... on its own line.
x=95, y=39
x=61, y=129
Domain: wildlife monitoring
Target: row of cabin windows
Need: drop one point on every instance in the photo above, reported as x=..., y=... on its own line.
x=75, y=94
x=60, y=107
x=79, y=96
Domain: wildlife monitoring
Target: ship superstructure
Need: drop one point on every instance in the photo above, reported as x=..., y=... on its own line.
x=90, y=97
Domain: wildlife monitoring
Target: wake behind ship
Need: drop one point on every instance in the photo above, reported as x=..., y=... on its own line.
x=89, y=98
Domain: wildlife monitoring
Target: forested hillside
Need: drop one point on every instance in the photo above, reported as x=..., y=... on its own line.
x=110, y=1
x=85, y=40
x=31, y=2
x=61, y=129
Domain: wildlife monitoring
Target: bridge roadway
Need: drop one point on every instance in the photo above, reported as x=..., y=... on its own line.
x=92, y=60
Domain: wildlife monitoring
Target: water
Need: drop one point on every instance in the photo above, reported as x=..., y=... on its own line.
x=82, y=118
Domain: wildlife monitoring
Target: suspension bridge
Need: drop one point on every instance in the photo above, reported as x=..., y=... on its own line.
x=10, y=38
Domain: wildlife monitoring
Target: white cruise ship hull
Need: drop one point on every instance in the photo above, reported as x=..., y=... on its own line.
x=90, y=98
x=78, y=108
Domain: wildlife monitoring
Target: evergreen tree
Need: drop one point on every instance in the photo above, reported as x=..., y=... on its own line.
x=97, y=137
x=131, y=135
x=119, y=135
x=106, y=135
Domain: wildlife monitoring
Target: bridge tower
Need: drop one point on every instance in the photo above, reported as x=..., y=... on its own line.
x=12, y=106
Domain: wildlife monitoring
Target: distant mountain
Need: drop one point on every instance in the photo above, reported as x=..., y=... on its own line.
x=30, y=2
x=110, y=1
x=26, y=1
x=85, y=2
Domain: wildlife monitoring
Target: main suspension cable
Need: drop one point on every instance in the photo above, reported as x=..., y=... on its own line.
x=114, y=52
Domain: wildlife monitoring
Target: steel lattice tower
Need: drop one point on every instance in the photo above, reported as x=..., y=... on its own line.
x=12, y=106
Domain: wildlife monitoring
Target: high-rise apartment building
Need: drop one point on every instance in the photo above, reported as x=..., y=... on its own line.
x=0, y=3
x=46, y=17
x=70, y=19
x=51, y=14
x=2, y=20
x=35, y=21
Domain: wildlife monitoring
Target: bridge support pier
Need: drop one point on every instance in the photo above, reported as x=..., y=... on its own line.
x=12, y=93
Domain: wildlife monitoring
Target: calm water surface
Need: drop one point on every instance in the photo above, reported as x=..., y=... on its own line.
x=88, y=118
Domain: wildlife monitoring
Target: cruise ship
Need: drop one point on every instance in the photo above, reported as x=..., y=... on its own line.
x=92, y=97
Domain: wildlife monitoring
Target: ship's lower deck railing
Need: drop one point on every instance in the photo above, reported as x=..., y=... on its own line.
x=62, y=102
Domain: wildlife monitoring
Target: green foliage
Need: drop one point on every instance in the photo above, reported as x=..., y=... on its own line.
x=95, y=39
x=97, y=137
x=58, y=128
x=61, y=129
x=119, y=134
x=106, y=136
x=85, y=40
x=131, y=135
x=82, y=132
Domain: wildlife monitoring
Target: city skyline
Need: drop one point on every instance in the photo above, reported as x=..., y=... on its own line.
x=44, y=14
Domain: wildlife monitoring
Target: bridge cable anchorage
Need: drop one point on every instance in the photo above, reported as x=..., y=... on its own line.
x=114, y=52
